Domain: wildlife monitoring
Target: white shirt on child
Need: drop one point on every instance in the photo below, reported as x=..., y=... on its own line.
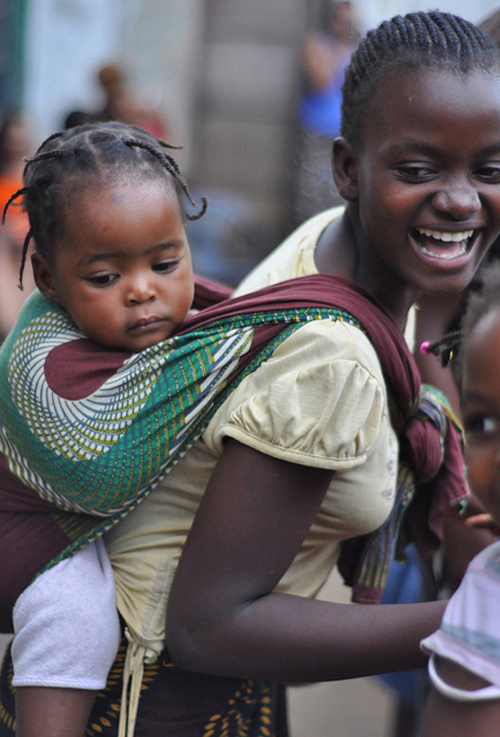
x=470, y=630
x=66, y=625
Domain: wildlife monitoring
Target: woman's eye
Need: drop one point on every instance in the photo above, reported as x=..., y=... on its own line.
x=489, y=173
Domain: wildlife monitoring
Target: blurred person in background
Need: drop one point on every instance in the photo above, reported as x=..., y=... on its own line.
x=14, y=147
x=120, y=105
x=325, y=55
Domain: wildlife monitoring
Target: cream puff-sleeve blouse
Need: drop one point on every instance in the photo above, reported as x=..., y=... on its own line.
x=319, y=400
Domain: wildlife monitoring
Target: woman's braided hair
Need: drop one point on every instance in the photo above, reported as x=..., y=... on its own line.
x=71, y=160
x=432, y=39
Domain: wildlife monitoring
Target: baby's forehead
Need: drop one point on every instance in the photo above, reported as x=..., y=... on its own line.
x=114, y=179
x=482, y=344
x=487, y=325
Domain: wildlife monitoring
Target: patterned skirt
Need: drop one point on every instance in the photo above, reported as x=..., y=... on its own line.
x=174, y=703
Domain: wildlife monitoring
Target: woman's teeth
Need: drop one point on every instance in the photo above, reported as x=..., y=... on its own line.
x=433, y=239
x=439, y=235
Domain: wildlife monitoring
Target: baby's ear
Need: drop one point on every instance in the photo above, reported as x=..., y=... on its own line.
x=43, y=275
x=345, y=170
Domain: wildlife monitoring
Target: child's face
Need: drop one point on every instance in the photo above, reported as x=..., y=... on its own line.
x=427, y=177
x=122, y=268
x=480, y=406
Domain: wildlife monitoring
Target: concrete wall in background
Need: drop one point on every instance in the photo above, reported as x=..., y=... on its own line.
x=161, y=43
x=246, y=93
x=66, y=41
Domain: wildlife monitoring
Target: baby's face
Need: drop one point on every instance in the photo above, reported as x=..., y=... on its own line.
x=122, y=268
x=480, y=405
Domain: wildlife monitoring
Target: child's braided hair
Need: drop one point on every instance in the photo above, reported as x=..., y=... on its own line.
x=483, y=300
x=432, y=39
x=70, y=160
x=484, y=297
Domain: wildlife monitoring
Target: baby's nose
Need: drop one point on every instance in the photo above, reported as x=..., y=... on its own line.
x=140, y=289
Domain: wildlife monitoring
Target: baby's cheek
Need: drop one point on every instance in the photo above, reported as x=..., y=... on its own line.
x=477, y=467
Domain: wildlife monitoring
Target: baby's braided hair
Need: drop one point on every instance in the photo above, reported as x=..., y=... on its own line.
x=69, y=161
x=432, y=39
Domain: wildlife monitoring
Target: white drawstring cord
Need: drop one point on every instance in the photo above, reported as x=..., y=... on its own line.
x=133, y=672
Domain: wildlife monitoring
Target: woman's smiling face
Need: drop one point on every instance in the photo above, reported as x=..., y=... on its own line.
x=427, y=177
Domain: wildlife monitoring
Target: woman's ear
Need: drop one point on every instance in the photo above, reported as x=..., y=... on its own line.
x=44, y=277
x=345, y=170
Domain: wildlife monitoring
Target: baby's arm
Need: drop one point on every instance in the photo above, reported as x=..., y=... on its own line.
x=67, y=634
x=52, y=712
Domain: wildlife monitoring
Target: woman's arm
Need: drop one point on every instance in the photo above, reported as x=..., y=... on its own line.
x=445, y=717
x=224, y=619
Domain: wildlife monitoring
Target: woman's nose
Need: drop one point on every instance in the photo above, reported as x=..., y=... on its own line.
x=459, y=200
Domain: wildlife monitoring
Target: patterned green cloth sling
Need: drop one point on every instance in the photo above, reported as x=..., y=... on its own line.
x=96, y=446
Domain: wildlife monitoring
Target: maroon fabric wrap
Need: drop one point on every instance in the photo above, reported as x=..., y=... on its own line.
x=30, y=536
x=77, y=369
x=208, y=293
x=439, y=484
x=323, y=290
x=424, y=520
x=426, y=454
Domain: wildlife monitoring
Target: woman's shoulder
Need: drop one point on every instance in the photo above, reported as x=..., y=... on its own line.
x=324, y=348
x=336, y=340
x=319, y=399
x=293, y=258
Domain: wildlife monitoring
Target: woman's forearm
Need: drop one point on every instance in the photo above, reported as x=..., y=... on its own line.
x=290, y=639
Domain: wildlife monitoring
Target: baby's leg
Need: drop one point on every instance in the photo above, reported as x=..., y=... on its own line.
x=67, y=634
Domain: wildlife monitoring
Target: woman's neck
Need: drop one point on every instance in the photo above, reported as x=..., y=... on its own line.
x=342, y=250
x=334, y=252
